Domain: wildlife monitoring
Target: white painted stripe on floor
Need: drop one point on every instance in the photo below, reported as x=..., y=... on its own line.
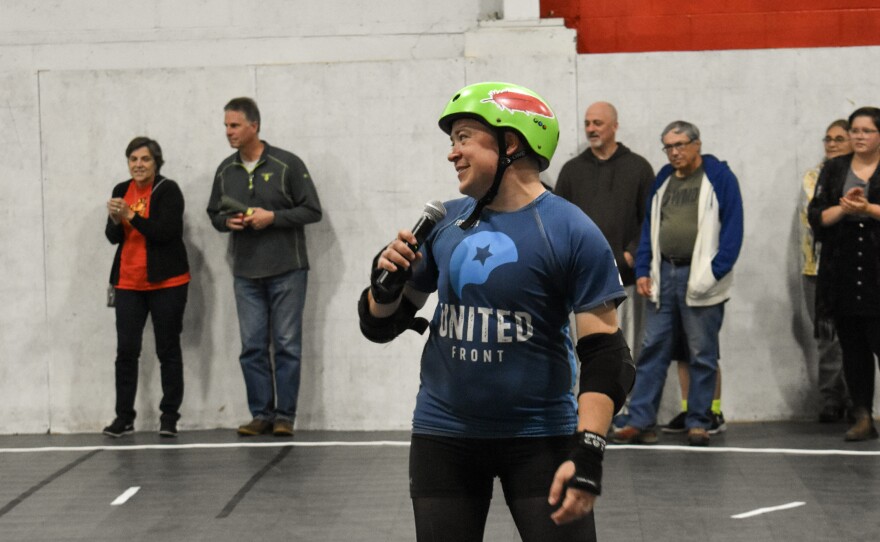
x=730, y=449
x=329, y=443
x=405, y=444
x=760, y=511
x=127, y=494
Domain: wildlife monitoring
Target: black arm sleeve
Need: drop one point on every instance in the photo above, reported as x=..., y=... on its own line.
x=606, y=366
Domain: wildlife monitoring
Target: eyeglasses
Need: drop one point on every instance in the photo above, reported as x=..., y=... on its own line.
x=675, y=146
x=860, y=131
x=838, y=139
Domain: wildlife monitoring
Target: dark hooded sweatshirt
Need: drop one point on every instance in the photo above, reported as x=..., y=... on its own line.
x=613, y=194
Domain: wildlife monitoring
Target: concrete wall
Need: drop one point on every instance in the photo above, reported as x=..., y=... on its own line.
x=355, y=90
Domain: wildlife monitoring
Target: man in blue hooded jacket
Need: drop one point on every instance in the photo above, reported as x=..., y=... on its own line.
x=691, y=238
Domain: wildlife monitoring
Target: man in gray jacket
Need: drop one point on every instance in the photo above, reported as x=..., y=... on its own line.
x=264, y=196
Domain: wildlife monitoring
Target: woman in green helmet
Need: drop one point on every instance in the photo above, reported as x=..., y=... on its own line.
x=509, y=262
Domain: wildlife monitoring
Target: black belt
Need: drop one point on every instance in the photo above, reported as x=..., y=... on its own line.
x=678, y=262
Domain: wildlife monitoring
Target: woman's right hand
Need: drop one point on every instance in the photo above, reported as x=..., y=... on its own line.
x=399, y=253
x=113, y=208
x=854, y=202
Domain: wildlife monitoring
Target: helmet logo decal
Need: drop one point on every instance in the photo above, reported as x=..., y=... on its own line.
x=514, y=101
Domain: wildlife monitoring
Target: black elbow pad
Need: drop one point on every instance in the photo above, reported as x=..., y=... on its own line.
x=606, y=366
x=383, y=330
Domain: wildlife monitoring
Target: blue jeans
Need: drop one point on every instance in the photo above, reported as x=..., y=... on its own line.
x=700, y=326
x=270, y=310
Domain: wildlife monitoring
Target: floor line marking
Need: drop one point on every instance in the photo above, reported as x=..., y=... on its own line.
x=392, y=443
x=405, y=444
x=237, y=498
x=46, y=481
x=760, y=511
x=740, y=450
x=127, y=494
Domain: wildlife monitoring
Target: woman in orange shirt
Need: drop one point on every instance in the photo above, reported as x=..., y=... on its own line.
x=150, y=276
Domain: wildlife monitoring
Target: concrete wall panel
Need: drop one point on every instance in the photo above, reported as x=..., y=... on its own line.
x=23, y=340
x=764, y=112
x=88, y=119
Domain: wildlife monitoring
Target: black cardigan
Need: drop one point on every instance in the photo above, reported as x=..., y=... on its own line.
x=829, y=190
x=163, y=230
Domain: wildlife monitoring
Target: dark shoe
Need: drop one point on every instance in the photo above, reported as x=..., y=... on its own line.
x=119, y=428
x=864, y=428
x=697, y=436
x=257, y=426
x=632, y=435
x=831, y=414
x=282, y=428
x=167, y=429
x=718, y=424
x=676, y=425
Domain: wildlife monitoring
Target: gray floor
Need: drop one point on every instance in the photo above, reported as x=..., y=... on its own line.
x=320, y=486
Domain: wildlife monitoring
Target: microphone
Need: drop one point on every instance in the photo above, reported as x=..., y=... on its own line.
x=433, y=213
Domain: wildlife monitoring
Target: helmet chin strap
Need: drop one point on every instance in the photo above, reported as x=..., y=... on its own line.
x=504, y=162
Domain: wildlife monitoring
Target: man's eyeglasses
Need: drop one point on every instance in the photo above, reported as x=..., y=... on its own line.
x=860, y=131
x=676, y=146
x=838, y=139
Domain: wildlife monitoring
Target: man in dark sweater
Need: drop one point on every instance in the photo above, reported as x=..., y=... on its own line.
x=610, y=184
x=274, y=197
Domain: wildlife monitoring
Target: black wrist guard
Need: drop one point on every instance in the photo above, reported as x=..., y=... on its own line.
x=587, y=458
x=606, y=366
x=383, y=330
x=393, y=285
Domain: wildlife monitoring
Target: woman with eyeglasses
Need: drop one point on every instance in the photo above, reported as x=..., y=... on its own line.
x=832, y=386
x=845, y=217
x=149, y=277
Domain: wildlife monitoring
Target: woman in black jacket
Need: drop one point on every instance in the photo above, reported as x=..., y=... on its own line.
x=150, y=276
x=845, y=217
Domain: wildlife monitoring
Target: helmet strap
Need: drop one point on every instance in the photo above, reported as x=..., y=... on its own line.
x=504, y=162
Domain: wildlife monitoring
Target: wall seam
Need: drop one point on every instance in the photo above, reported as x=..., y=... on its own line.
x=45, y=253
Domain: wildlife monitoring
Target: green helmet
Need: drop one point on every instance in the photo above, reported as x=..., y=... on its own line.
x=504, y=105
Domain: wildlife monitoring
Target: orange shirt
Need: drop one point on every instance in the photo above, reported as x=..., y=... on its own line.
x=133, y=261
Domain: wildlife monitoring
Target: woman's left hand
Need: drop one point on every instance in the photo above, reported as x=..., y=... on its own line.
x=575, y=503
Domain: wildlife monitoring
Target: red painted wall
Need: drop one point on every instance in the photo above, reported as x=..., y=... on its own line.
x=617, y=26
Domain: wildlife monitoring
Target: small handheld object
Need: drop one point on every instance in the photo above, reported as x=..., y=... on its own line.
x=387, y=285
x=231, y=206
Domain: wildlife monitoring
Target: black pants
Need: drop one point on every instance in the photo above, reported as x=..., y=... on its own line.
x=859, y=341
x=451, y=483
x=166, y=308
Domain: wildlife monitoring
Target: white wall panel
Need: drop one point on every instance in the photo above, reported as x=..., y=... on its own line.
x=88, y=119
x=764, y=112
x=23, y=327
x=368, y=133
x=354, y=89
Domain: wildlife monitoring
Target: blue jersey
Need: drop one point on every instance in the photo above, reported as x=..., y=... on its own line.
x=499, y=361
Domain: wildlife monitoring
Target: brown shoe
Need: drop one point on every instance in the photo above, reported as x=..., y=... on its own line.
x=864, y=428
x=283, y=428
x=697, y=436
x=633, y=435
x=257, y=426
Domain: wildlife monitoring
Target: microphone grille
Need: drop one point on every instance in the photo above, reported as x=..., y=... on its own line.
x=435, y=210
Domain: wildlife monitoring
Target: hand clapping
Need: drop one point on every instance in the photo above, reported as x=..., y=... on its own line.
x=854, y=202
